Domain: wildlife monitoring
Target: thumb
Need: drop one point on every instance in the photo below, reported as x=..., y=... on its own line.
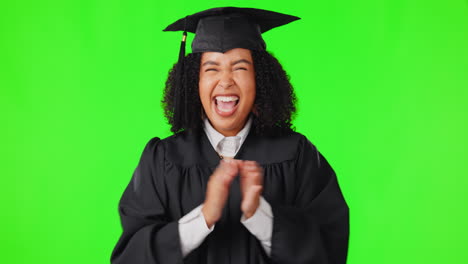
x=251, y=199
x=253, y=191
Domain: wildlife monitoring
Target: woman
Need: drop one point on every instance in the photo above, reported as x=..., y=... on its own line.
x=235, y=183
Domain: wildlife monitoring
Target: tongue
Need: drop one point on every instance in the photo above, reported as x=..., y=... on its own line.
x=226, y=106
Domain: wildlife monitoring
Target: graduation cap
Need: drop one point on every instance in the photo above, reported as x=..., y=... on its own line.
x=222, y=29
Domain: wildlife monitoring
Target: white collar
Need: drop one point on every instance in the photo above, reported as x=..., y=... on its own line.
x=215, y=137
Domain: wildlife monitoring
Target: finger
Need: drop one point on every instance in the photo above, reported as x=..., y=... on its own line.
x=251, y=166
x=248, y=178
x=230, y=166
x=225, y=167
x=247, y=169
x=238, y=162
x=251, y=163
x=253, y=192
x=225, y=173
x=252, y=176
x=224, y=179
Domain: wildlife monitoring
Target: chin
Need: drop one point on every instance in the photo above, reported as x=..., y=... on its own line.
x=227, y=127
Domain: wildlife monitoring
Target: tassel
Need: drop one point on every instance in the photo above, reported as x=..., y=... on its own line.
x=180, y=105
x=182, y=47
x=184, y=79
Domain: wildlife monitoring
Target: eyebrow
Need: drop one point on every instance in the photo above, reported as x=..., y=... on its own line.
x=241, y=61
x=210, y=63
x=233, y=63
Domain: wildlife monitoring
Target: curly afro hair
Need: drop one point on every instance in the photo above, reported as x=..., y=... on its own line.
x=274, y=102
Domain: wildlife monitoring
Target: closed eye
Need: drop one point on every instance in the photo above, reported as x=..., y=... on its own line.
x=210, y=69
x=241, y=68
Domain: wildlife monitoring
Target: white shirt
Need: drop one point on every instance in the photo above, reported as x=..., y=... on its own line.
x=192, y=227
x=226, y=146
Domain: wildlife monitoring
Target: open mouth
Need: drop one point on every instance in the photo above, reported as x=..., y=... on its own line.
x=226, y=105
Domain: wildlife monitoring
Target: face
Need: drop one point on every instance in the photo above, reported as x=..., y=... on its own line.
x=227, y=89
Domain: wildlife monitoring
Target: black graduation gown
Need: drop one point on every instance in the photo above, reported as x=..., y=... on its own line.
x=310, y=223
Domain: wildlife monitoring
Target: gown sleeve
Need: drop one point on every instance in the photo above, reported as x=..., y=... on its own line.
x=315, y=228
x=148, y=236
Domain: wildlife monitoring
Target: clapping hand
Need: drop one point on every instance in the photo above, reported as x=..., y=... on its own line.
x=217, y=190
x=251, y=184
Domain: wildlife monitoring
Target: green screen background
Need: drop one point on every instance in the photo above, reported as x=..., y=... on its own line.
x=382, y=88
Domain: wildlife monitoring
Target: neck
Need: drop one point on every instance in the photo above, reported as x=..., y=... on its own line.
x=232, y=132
x=229, y=133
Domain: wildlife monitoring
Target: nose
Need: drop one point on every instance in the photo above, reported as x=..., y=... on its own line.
x=226, y=80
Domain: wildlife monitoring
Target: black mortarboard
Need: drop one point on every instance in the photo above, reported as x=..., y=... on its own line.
x=222, y=29
x=225, y=28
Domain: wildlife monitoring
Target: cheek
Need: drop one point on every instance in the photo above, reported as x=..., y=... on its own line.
x=205, y=91
x=203, y=88
x=207, y=80
x=205, y=98
x=248, y=87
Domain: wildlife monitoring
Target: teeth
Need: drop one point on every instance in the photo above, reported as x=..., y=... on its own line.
x=227, y=98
